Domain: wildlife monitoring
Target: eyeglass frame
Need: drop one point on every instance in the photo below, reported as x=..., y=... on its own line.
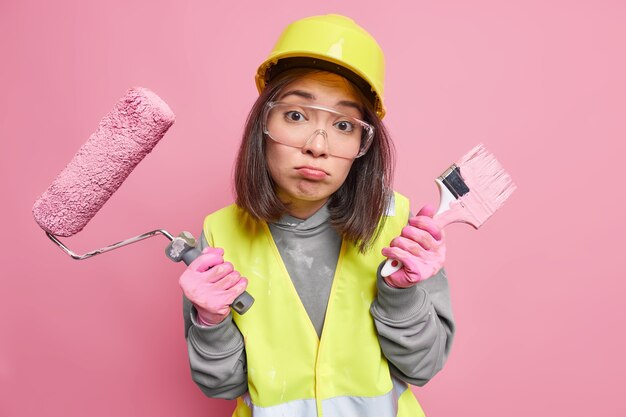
x=365, y=143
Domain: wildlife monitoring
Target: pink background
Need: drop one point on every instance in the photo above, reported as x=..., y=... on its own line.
x=538, y=292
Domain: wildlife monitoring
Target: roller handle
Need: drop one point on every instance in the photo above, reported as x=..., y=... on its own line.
x=183, y=248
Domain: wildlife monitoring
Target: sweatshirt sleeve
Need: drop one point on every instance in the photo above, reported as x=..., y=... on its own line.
x=415, y=327
x=216, y=353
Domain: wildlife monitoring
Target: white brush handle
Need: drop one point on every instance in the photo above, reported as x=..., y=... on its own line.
x=445, y=198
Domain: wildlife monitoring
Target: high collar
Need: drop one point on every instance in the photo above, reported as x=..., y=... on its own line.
x=318, y=218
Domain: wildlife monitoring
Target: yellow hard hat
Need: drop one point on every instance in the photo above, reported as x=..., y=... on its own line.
x=333, y=43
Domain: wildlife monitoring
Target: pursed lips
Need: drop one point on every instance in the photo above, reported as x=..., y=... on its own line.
x=311, y=172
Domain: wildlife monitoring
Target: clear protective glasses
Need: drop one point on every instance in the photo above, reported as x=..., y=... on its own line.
x=296, y=124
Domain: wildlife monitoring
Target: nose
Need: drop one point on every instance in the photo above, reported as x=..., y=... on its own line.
x=317, y=144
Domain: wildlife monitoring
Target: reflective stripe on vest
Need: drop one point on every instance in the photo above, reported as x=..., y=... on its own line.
x=381, y=406
x=291, y=371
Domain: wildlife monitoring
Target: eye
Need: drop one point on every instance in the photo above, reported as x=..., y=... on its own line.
x=294, y=116
x=345, y=126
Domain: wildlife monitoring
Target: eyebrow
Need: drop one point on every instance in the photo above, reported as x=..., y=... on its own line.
x=308, y=96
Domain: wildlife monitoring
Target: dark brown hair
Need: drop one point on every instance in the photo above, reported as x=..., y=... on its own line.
x=356, y=208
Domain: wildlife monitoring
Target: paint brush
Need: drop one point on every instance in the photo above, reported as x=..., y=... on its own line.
x=470, y=190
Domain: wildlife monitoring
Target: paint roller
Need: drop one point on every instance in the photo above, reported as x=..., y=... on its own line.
x=123, y=138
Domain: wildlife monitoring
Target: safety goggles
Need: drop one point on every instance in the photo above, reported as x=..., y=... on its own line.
x=297, y=124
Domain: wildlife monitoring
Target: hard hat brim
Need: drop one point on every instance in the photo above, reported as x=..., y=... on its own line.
x=277, y=64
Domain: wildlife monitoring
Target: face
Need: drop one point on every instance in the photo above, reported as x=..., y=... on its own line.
x=306, y=177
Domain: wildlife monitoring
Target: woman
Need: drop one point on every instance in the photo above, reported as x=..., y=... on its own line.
x=314, y=219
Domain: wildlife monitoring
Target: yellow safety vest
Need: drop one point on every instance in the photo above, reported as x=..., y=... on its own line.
x=292, y=372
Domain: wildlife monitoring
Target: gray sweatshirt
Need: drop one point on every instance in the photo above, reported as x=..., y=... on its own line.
x=415, y=325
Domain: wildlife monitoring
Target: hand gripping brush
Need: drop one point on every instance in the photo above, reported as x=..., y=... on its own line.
x=471, y=190
x=123, y=138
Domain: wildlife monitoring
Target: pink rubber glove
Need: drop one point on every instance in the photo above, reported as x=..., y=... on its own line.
x=212, y=285
x=420, y=247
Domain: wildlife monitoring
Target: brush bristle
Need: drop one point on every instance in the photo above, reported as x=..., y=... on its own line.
x=489, y=184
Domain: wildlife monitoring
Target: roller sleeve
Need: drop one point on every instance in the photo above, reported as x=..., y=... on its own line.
x=123, y=138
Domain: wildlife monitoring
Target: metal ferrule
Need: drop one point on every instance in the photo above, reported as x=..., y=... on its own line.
x=454, y=182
